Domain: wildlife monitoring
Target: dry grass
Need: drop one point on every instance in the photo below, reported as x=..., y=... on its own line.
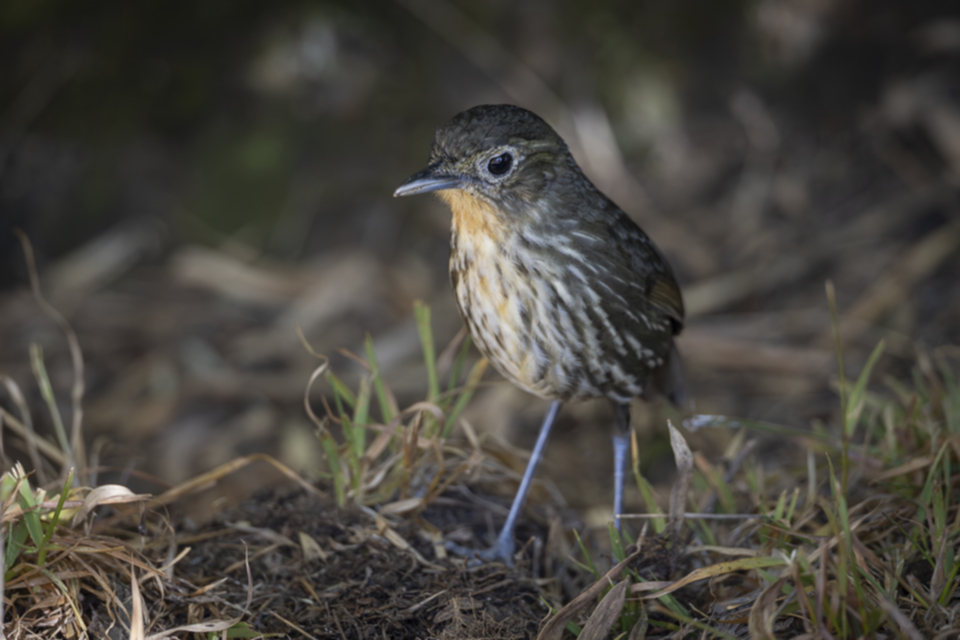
x=66, y=573
x=70, y=574
x=863, y=545
x=859, y=543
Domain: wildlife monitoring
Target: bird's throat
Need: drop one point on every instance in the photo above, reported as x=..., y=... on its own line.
x=474, y=219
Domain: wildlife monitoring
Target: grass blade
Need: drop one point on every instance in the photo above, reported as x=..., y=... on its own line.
x=473, y=381
x=857, y=397
x=54, y=520
x=422, y=313
x=341, y=392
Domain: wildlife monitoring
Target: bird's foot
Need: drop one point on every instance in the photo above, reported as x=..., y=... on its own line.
x=501, y=550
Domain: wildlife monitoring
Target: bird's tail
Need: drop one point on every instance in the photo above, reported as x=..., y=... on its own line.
x=670, y=382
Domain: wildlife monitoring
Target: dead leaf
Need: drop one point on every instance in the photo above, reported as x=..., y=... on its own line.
x=606, y=614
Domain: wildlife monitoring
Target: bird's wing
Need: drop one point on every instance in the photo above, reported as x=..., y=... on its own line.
x=663, y=292
x=646, y=270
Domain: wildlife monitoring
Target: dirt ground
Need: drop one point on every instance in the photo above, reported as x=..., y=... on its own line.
x=372, y=576
x=365, y=586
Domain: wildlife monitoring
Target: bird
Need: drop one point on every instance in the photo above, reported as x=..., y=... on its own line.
x=560, y=289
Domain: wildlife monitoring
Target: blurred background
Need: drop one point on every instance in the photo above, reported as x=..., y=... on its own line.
x=200, y=178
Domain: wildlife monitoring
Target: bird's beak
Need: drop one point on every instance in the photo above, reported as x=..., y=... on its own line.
x=430, y=179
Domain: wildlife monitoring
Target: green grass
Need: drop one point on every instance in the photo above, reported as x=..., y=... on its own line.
x=377, y=455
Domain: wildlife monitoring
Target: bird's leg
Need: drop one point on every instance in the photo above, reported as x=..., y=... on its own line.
x=621, y=445
x=503, y=548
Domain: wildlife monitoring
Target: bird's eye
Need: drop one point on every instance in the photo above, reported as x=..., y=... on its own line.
x=500, y=165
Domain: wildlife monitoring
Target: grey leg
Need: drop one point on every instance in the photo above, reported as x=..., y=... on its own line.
x=503, y=548
x=621, y=446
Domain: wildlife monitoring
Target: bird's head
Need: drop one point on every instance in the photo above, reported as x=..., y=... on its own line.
x=504, y=156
